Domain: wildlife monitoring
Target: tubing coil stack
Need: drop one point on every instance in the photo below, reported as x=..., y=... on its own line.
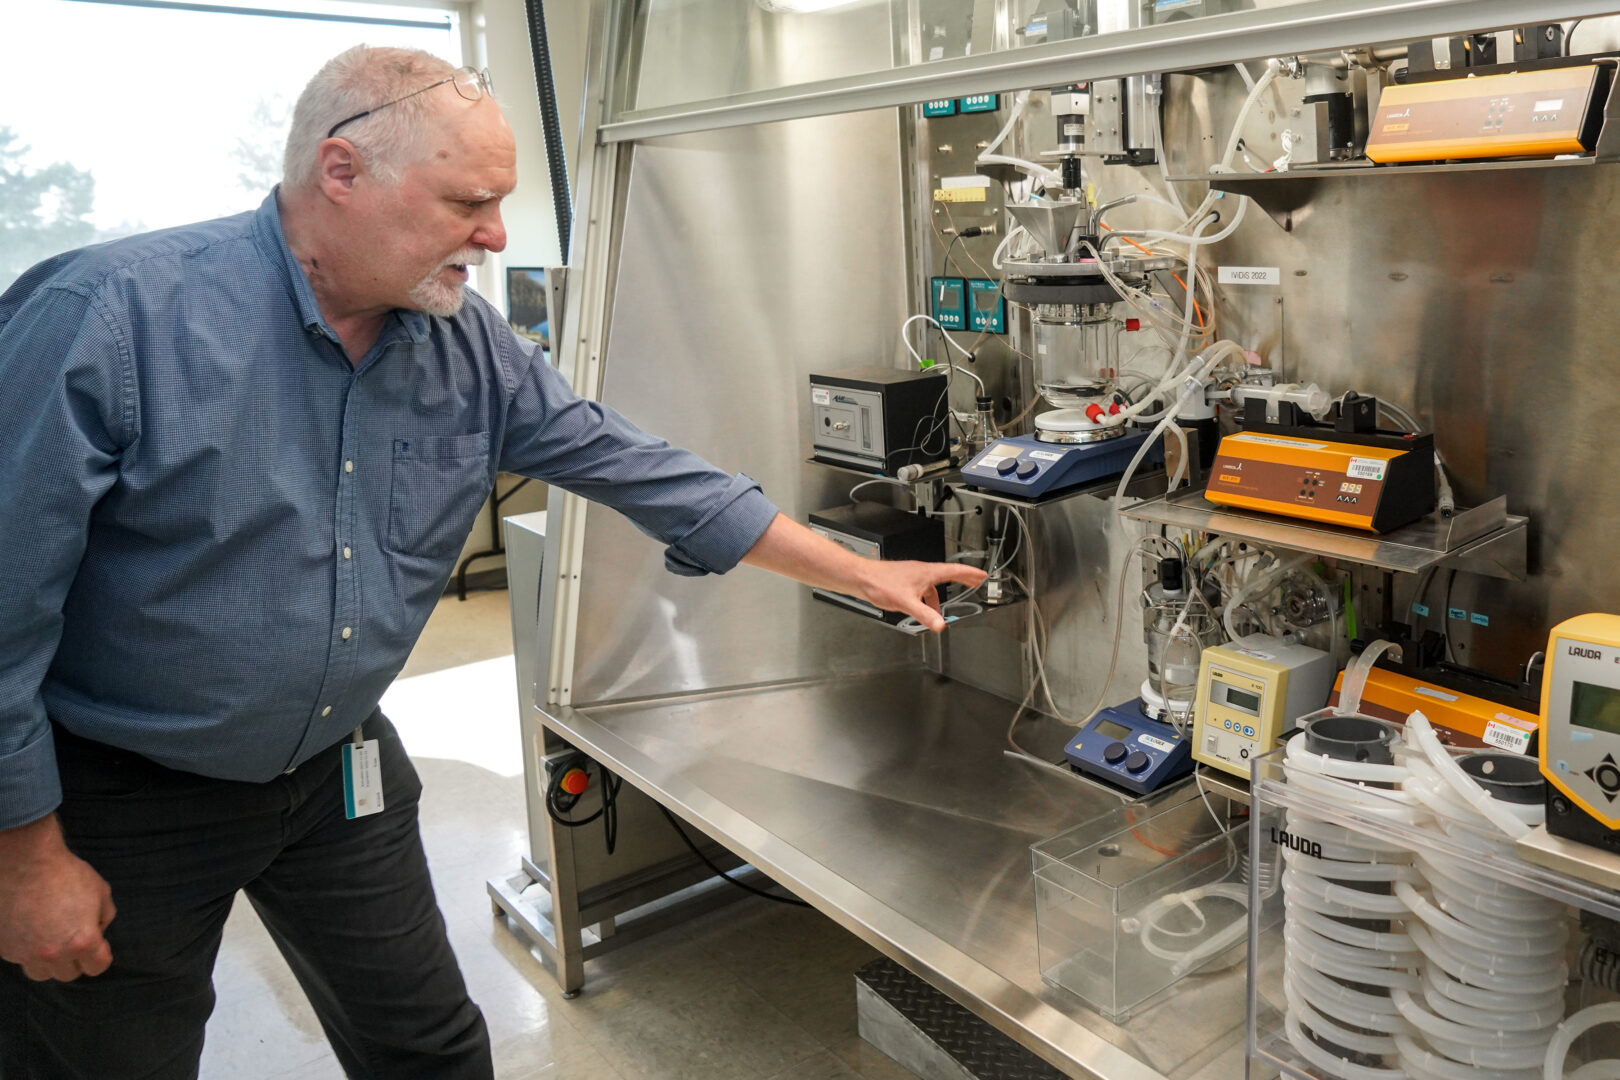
x=1347, y=952
x=1492, y=955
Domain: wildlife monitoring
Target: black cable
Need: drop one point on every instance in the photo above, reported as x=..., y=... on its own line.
x=945, y=267
x=1446, y=616
x=560, y=803
x=610, y=807
x=557, y=165
x=719, y=873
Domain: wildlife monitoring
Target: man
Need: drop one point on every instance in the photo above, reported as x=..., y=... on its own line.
x=240, y=460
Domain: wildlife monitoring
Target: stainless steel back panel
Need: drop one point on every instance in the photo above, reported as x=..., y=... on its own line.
x=1479, y=302
x=751, y=258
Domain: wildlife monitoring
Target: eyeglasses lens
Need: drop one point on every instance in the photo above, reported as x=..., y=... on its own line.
x=472, y=84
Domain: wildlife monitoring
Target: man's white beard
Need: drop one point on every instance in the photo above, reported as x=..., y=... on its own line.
x=434, y=297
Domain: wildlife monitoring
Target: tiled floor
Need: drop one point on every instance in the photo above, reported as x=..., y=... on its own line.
x=754, y=991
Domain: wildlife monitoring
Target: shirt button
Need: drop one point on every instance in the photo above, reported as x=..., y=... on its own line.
x=327, y=711
x=348, y=466
x=347, y=554
x=347, y=630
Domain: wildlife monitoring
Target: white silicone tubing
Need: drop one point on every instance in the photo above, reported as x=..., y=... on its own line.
x=1213, y=943
x=1355, y=677
x=1492, y=954
x=1329, y=1063
x=1327, y=872
x=1419, y=731
x=1421, y=1063
x=1574, y=1028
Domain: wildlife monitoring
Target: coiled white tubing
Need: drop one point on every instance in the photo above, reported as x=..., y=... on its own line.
x=1319, y=894
x=1492, y=955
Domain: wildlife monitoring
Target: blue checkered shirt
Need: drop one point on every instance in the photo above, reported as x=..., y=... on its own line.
x=219, y=539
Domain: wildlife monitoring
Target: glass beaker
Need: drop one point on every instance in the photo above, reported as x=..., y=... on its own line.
x=1177, y=638
x=1076, y=352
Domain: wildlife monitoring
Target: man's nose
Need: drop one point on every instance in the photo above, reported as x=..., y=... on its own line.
x=491, y=234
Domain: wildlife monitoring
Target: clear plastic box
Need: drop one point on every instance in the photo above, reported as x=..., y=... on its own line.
x=1131, y=902
x=1316, y=832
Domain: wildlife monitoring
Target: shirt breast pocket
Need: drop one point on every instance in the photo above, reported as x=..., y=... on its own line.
x=439, y=482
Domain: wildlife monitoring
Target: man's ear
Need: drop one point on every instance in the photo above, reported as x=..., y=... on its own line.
x=337, y=168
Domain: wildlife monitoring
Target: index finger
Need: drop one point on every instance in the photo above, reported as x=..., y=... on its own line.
x=957, y=572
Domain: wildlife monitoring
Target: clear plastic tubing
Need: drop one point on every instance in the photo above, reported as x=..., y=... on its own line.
x=1347, y=952
x=1491, y=954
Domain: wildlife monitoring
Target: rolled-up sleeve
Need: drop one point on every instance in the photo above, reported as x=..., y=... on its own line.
x=67, y=404
x=707, y=517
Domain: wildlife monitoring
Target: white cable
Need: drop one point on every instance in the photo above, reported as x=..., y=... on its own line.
x=1260, y=85
x=1193, y=384
x=1020, y=100
x=881, y=480
x=1007, y=241
x=915, y=355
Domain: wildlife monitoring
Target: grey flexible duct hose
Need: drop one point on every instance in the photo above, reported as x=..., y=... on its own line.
x=556, y=164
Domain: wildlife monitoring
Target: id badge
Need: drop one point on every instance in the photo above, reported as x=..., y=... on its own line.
x=362, y=779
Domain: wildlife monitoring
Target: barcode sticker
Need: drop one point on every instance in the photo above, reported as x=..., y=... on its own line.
x=1366, y=468
x=1499, y=735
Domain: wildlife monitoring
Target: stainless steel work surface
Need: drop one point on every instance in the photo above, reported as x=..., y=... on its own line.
x=887, y=802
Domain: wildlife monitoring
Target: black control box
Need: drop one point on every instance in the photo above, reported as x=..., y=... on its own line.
x=875, y=531
x=879, y=418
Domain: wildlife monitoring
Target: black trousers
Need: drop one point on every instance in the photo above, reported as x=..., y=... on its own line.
x=349, y=904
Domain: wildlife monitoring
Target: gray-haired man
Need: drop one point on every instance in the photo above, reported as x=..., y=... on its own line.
x=241, y=457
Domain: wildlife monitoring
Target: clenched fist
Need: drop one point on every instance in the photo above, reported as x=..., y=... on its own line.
x=53, y=906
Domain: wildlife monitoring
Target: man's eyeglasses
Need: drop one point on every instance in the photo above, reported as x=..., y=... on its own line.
x=470, y=83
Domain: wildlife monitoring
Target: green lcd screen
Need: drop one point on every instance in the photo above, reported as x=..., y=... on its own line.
x=1596, y=707
x=1111, y=729
x=1241, y=700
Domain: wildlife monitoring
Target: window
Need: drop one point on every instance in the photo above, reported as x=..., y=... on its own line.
x=122, y=117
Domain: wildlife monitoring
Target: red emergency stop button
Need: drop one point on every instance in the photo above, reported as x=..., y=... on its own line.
x=575, y=781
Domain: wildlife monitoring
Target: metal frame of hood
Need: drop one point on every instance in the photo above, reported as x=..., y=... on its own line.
x=1313, y=26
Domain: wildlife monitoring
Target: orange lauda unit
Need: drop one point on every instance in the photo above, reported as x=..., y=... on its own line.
x=1348, y=473
x=1517, y=114
x=1461, y=719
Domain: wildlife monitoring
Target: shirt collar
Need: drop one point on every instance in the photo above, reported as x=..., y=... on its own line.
x=267, y=228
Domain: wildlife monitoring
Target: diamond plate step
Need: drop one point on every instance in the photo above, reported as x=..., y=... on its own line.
x=933, y=1036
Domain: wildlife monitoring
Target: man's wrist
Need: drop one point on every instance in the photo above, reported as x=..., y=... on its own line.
x=36, y=839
